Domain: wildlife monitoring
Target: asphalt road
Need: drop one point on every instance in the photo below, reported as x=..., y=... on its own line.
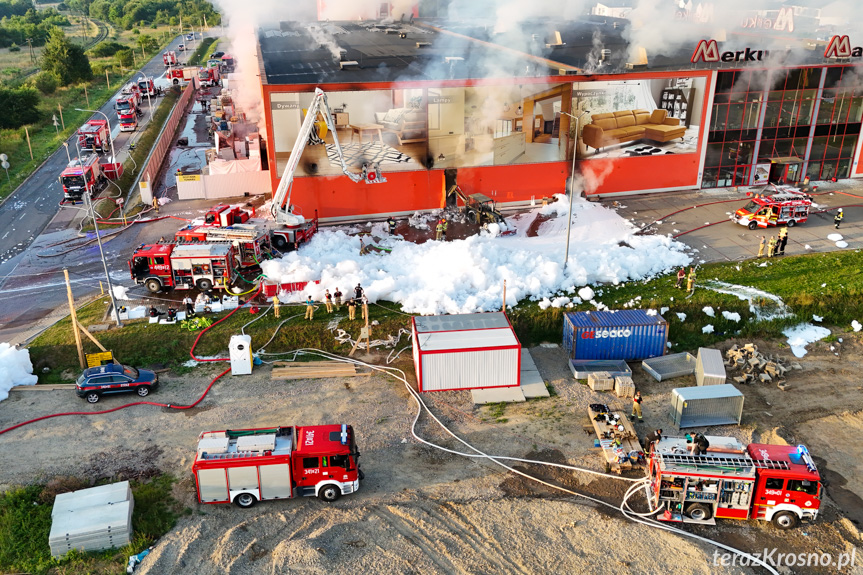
x=31, y=285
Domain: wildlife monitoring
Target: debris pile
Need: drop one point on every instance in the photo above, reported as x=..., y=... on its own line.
x=755, y=366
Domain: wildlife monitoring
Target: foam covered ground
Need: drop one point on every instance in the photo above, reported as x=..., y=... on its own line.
x=463, y=276
x=15, y=369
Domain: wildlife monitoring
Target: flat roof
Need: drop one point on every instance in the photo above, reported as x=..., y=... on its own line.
x=463, y=340
x=460, y=322
x=707, y=392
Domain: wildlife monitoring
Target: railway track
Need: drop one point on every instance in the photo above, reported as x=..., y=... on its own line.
x=101, y=36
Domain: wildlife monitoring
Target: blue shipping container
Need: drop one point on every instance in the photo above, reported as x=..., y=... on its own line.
x=622, y=334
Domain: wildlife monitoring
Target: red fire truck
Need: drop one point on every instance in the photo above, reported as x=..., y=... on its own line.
x=777, y=483
x=94, y=136
x=252, y=243
x=181, y=75
x=170, y=58
x=227, y=63
x=209, y=76
x=245, y=466
x=146, y=86
x=787, y=208
x=87, y=174
x=224, y=215
x=127, y=113
x=164, y=266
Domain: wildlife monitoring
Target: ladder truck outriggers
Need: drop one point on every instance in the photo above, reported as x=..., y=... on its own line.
x=292, y=228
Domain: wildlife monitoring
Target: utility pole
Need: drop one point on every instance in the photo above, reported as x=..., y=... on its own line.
x=62, y=123
x=30, y=44
x=74, y=317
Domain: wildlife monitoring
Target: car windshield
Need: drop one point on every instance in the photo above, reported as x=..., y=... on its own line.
x=73, y=181
x=122, y=106
x=130, y=371
x=751, y=207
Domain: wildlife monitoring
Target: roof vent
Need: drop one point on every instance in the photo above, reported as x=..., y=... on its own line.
x=423, y=44
x=605, y=54
x=349, y=65
x=453, y=59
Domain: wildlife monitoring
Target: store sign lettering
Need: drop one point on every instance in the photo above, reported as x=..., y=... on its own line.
x=441, y=100
x=286, y=105
x=708, y=51
x=840, y=47
x=784, y=21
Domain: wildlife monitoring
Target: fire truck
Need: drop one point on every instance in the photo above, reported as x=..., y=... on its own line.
x=181, y=75
x=170, y=58
x=94, y=136
x=165, y=266
x=208, y=76
x=225, y=215
x=251, y=243
x=777, y=483
x=245, y=466
x=227, y=63
x=784, y=207
x=127, y=113
x=147, y=86
x=87, y=174
x=132, y=90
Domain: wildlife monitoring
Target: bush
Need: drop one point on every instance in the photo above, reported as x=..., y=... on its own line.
x=106, y=48
x=125, y=58
x=46, y=82
x=136, y=31
x=100, y=67
x=20, y=106
x=14, y=48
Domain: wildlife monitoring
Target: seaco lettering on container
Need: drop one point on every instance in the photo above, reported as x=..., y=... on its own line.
x=624, y=334
x=588, y=334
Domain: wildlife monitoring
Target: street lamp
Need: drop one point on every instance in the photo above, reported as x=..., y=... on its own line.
x=572, y=181
x=110, y=133
x=68, y=157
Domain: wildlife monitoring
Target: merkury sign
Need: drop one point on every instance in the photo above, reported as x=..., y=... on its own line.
x=708, y=51
x=840, y=47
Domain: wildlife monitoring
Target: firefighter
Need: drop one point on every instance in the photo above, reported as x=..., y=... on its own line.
x=328, y=301
x=276, y=305
x=358, y=292
x=698, y=444
x=681, y=275
x=837, y=219
x=761, y=246
x=690, y=281
x=338, y=295
x=391, y=223
x=636, y=407
x=156, y=203
x=310, y=308
x=771, y=246
x=439, y=230
x=190, y=306
x=445, y=225
x=652, y=437
x=783, y=240
x=352, y=309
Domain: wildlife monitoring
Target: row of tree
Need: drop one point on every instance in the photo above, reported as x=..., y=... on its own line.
x=130, y=13
x=34, y=24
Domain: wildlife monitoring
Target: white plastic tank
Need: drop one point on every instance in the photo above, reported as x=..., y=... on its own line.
x=241, y=354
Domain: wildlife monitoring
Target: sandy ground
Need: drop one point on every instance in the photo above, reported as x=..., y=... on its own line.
x=420, y=510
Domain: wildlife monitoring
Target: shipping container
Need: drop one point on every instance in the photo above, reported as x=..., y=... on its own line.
x=467, y=351
x=709, y=405
x=622, y=334
x=709, y=368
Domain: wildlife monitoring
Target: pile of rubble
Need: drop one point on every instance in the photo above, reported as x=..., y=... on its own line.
x=755, y=366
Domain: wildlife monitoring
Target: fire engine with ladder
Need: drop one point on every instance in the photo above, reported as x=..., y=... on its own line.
x=202, y=266
x=87, y=175
x=244, y=466
x=778, y=483
x=297, y=229
x=127, y=113
x=252, y=244
x=784, y=207
x=94, y=136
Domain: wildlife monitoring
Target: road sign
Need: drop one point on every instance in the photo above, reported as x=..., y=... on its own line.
x=3, y=157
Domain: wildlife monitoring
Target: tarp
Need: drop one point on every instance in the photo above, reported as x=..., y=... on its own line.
x=235, y=166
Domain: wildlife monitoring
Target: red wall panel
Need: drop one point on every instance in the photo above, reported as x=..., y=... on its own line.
x=647, y=173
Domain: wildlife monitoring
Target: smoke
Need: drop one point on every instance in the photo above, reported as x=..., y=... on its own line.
x=594, y=58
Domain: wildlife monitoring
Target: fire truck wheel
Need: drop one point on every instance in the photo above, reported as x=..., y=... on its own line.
x=143, y=391
x=329, y=493
x=205, y=284
x=791, y=223
x=153, y=286
x=280, y=242
x=752, y=225
x=699, y=512
x=785, y=520
x=92, y=397
x=245, y=500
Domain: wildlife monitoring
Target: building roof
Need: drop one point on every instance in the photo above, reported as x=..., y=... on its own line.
x=467, y=340
x=614, y=318
x=706, y=392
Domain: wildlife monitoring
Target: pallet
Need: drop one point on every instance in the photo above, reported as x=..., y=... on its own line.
x=314, y=369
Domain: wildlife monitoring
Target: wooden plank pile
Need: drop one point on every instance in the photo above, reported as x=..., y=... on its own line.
x=314, y=369
x=753, y=365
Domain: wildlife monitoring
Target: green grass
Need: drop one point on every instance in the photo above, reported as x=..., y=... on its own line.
x=25, y=522
x=201, y=54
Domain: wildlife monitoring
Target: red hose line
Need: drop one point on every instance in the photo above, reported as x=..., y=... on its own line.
x=168, y=405
x=810, y=213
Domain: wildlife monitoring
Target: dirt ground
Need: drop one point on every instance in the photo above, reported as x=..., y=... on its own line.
x=420, y=510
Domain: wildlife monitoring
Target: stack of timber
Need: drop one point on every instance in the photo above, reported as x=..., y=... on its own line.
x=314, y=369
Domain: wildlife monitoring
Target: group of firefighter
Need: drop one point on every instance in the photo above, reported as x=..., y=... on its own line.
x=333, y=301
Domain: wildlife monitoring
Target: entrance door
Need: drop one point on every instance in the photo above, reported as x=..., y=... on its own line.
x=450, y=180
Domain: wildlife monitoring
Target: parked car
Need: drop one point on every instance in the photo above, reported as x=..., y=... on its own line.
x=181, y=47
x=114, y=378
x=216, y=55
x=190, y=36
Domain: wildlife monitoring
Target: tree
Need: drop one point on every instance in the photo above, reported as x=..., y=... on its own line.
x=65, y=59
x=46, y=82
x=147, y=42
x=124, y=58
x=19, y=107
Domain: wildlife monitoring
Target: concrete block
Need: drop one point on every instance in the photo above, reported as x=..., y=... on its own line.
x=765, y=377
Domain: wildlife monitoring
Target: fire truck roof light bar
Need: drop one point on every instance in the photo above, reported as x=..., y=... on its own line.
x=344, y=434
x=807, y=459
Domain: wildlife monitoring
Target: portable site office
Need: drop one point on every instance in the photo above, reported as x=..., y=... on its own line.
x=467, y=351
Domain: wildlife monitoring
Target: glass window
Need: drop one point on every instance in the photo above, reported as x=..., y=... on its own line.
x=849, y=144
x=814, y=170
x=825, y=111
x=818, y=147
x=735, y=116
x=720, y=113
x=828, y=170
x=774, y=483
x=804, y=113
x=844, y=168
x=771, y=116
x=833, y=76
x=724, y=82
x=833, y=146
x=750, y=115
x=782, y=147
x=340, y=461
x=119, y=379
x=159, y=261
x=855, y=111
x=713, y=156
x=310, y=462
x=809, y=487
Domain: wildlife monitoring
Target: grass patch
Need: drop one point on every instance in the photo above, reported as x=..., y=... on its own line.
x=25, y=523
x=200, y=56
x=496, y=412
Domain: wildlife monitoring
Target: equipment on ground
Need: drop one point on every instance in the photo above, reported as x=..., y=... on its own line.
x=245, y=466
x=127, y=113
x=87, y=175
x=227, y=63
x=780, y=208
x=778, y=483
x=297, y=230
x=225, y=215
x=170, y=58
x=94, y=136
x=202, y=266
x=478, y=208
x=240, y=348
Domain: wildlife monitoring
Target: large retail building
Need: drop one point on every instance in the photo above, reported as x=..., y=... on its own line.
x=435, y=103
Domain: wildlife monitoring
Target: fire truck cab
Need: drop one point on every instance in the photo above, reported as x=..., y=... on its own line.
x=127, y=113
x=170, y=58
x=777, y=483
x=164, y=266
x=209, y=76
x=245, y=466
x=181, y=75
x=146, y=86
x=94, y=136
x=84, y=175
x=224, y=215
x=781, y=208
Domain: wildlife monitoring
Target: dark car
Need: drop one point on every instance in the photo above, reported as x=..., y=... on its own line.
x=181, y=47
x=216, y=55
x=114, y=378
